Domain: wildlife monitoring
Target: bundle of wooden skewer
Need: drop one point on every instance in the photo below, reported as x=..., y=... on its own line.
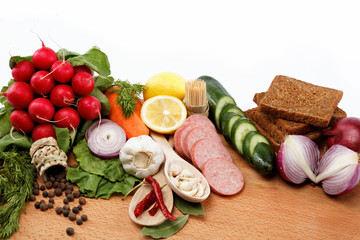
x=196, y=101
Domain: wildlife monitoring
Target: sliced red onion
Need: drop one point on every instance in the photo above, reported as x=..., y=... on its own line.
x=339, y=170
x=94, y=125
x=106, y=140
x=298, y=158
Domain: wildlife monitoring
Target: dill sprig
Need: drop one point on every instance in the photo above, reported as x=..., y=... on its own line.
x=16, y=179
x=127, y=93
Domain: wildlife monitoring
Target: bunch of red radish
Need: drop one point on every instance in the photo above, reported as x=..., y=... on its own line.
x=48, y=91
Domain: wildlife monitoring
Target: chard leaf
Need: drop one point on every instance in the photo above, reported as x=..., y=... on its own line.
x=17, y=140
x=105, y=104
x=188, y=207
x=94, y=59
x=63, y=138
x=166, y=229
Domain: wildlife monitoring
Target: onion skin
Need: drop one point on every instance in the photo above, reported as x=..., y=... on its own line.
x=345, y=132
x=297, y=159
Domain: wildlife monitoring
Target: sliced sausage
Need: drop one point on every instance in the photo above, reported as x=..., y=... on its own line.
x=224, y=177
x=207, y=148
x=199, y=119
x=195, y=134
x=177, y=140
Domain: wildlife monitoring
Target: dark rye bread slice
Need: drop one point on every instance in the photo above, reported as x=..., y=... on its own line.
x=292, y=127
x=300, y=101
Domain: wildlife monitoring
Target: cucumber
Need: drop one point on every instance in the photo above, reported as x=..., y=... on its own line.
x=250, y=142
x=231, y=108
x=239, y=130
x=227, y=121
x=263, y=158
x=218, y=98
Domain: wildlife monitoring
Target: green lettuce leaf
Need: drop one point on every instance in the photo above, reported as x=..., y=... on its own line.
x=17, y=140
x=5, y=124
x=104, y=102
x=63, y=138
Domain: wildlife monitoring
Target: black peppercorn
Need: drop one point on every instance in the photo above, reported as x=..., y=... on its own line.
x=58, y=210
x=51, y=194
x=79, y=207
x=72, y=216
x=45, y=194
x=66, y=207
x=70, y=187
x=44, y=207
x=42, y=187
x=63, y=180
x=35, y=191
x=84, y=217
x=48, y=185
x=75, y=210
x=37, y=205
x=62, y=186
x=79, y=221
x=66, y=201
x=35, y=184
x=42, y=201
x=52, y=179
x=50, y=205
x=66, y=212
x=51, y=200
x=58, y=191
x=55, y=184
x=70, y=231
x=70, y=197
x=32, y=198
x=67, y=191
x=82, y=201
x=76, y=193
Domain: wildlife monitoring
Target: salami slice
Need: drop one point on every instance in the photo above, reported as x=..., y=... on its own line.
x=224, y=177
x=177, y=140
x=199, y=119
x=196, y=134
x=208, y=148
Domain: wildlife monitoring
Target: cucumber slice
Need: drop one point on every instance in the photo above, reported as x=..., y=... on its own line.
x=263, y=158
x=218, y=98
x=239, y=130
x=251, y=140
x=231, y=108
x=227, y=121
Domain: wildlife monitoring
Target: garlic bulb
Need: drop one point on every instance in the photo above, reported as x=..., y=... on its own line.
x=141, y=156
x=339, y=170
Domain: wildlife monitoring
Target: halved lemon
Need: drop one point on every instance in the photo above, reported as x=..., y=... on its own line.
x=163, y=114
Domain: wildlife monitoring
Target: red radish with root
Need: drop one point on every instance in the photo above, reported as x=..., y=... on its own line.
x=21, y=121
x=19, y=95
x=89, y=107
x=83, y=68
x=62, y=95
x=42, y=82
x=83, y=83
x=23, y=71
x=43, y=130
x=67, y=117
x=62, y=71
x=44, y=57
x=41, y=110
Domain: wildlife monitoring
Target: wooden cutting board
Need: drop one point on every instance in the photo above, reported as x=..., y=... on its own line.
x=266, y=208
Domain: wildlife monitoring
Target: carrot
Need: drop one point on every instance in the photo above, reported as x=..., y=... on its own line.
x=133, y=125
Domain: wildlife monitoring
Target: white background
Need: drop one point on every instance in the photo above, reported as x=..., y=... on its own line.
x=243, y=44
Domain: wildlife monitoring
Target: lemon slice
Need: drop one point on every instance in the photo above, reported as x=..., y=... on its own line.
x=163, y=114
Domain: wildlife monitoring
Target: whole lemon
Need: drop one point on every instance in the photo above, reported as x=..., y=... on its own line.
x=165, y=83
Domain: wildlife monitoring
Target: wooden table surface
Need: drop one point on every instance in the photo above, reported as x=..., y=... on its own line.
x=266, y=208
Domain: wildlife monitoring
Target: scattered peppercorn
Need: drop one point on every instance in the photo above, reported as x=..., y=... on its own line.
x=52, y=179
x=70, y=231
x=72, y=216
x=45, y=194
x=35, y=191
x=75, y=210
x=42, y=201
x=42, y=187
x=82, y=201
x=35, y=184
x=70, y=197
x=32, y=198
x=70, y=187
x=67, y=191
x=58, y=191
x=76, y=193
x=79, y=207
x=48, y=185
x=79, y=221
x=51, y=200
x=66, y=201
x=55, y=184
x=66, y=207
x=84, y=217
x=37, y=205
x=50, y=205
x=51, y=194
x=63, y=180
x=62, y=186
x=44, y=207
x=58, y=210
x=66, y=213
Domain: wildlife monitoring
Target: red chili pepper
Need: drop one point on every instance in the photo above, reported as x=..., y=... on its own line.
x=154, y=209
x=144, y=204
x=159, y=199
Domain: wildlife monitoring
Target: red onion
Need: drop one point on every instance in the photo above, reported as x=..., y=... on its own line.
x=94, y=125
x=106, y=140
x=345, y=132
x=298, y=159
x=339, y=170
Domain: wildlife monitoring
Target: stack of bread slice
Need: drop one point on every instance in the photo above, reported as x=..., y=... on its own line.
x=292, y=106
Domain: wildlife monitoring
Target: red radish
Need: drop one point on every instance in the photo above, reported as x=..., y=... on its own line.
x=44, y=57
x=43, y=130
x=21, y=121
x=89, y=107
x=62, y=95
x=23, y=71
x=42, y=82
x=345, y=132
x=83, y=68
x=62, y=71
x=19, y=95
x=83, y=83
x=67, y=118
x=41, y=110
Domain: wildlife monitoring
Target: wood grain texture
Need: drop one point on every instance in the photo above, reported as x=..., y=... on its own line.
x=266, y=208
